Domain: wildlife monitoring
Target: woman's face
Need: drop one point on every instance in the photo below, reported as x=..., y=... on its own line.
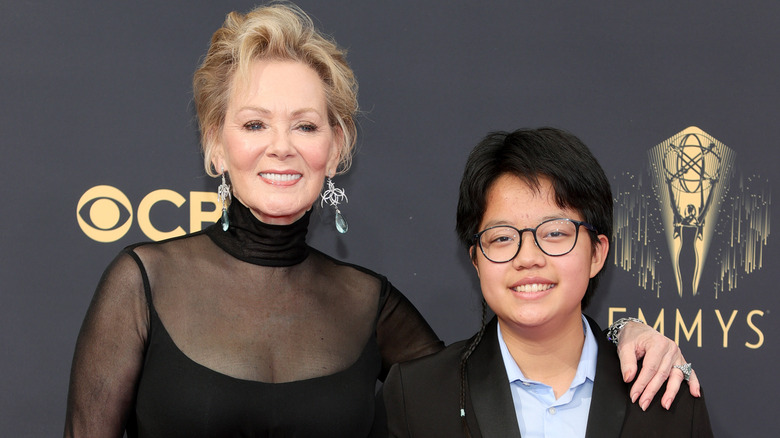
x=534, y=289
x=276, y=144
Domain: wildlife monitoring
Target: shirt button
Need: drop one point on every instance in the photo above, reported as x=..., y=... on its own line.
x=551, y=411
x=526, y=384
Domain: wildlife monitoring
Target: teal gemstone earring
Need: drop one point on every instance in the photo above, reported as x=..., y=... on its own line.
x=223, y=193
x=334, y=196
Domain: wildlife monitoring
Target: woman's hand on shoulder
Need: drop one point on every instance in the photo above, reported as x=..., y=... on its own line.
x=660, y=355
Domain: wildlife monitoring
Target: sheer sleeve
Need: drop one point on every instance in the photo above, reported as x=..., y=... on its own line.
x=402, y=333
x=109, y=353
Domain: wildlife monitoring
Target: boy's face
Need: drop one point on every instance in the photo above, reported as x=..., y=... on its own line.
x=534, y=289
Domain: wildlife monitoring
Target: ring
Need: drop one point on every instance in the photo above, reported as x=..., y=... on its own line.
x=686, y=369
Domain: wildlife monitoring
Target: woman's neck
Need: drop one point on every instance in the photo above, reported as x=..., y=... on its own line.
x=256, y=242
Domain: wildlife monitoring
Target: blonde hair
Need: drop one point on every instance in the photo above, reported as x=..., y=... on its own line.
x=278, y=32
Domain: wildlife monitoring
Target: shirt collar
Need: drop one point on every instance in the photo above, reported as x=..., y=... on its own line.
x=586, y=368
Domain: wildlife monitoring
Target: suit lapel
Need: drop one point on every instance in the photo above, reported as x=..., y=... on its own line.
x=608, y=405
x=488, y=387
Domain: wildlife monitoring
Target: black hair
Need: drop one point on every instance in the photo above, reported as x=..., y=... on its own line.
x=577, y=179
x=463, y=380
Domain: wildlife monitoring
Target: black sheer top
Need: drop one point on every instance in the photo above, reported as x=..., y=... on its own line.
x=248, y=332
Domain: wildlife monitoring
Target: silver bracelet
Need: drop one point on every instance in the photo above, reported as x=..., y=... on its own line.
x=614, y=330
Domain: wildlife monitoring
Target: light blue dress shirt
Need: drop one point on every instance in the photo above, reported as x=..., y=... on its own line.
x=539, y=414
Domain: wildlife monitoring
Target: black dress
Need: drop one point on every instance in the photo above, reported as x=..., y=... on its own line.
x=248, y=332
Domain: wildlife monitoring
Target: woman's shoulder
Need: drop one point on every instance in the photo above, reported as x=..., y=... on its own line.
x=172, y=243
x=348, y=271
x=177, y=248
x=346, y=265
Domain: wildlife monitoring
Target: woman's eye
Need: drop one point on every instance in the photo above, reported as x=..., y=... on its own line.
x=307, y=127
x=254, y=126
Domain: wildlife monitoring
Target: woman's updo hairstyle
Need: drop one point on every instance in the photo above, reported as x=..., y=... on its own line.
x=280, y=32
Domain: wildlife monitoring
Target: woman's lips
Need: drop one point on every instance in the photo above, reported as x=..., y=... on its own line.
x=280, y=179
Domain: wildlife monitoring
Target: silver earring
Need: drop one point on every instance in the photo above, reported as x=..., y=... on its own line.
x=334, y=196
x=223, y=193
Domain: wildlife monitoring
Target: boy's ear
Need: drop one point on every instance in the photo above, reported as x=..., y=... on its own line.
x=600, y=251
x=473, y=257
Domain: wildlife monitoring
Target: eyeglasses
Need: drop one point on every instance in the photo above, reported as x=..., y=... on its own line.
x=555, y=237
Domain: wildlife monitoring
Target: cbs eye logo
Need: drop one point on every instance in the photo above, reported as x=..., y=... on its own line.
x=105, y=214
x=103, y=207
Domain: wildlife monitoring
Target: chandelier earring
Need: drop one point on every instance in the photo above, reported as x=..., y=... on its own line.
x=333, y=196
x=223, y=193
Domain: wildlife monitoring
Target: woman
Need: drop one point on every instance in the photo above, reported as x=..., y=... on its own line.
x=534, y=212
x=243, y=329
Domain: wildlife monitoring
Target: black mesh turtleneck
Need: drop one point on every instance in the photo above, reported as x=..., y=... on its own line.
x=258, y=243
x=248, y=332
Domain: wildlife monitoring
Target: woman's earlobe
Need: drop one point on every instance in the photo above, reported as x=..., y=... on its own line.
x=338, y=149
x=219, y=167
x=216, y=152
x=218, y=161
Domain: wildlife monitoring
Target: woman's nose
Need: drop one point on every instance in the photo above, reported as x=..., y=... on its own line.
x=281, y=145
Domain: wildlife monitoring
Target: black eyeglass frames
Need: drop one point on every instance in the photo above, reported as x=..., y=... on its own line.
x=555, y=237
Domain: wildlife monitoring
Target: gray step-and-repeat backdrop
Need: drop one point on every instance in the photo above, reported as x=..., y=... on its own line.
x=677, y=99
